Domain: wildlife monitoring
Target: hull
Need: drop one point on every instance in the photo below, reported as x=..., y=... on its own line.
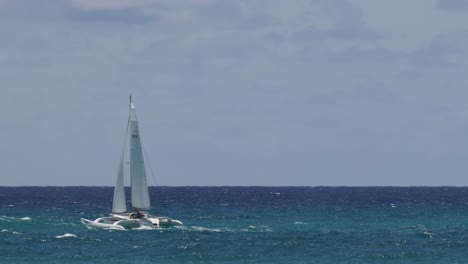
x=159, y=221
x=119, y=223
x=128, y=221
x=133, y=223
x=122, y=221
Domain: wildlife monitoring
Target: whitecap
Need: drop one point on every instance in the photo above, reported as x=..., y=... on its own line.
x=300, y=223
x=7, y=218
x=66, y=235
x=13, y=232
x=10, y=218
x=428, y=233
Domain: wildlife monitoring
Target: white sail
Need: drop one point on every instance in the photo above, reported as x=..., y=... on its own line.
x=140, y=196
x=119, y=204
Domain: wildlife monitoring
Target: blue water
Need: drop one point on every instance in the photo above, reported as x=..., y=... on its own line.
x=241, y=225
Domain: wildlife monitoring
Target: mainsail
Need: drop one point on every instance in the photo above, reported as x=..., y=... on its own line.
x=139, y=189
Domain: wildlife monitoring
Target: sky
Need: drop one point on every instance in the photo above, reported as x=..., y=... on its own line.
x=245, y=92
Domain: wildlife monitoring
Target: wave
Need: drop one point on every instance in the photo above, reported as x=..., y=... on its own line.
x=13, y=232
x=250, y=228
x=11, y=218
x=204, y=229
x=66, y=235
x=198, y=229
x=6, y=218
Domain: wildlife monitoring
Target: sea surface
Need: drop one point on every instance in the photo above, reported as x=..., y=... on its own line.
x=241, y=225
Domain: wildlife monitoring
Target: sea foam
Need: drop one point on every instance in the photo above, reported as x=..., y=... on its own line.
x=66, y=235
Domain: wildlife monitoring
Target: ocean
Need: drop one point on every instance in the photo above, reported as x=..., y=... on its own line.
x=241, y=225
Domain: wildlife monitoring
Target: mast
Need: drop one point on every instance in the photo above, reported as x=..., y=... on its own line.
x=139, y=186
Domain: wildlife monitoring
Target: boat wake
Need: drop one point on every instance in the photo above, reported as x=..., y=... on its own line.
x=224, y=230
x=143, y=227
x=201, y=229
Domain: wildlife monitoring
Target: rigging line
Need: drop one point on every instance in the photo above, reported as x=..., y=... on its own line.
x=149, y=165
x=125, y=140
x=148, y=161
x=126, y=133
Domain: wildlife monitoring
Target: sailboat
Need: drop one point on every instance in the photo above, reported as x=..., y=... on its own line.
x=138, y=216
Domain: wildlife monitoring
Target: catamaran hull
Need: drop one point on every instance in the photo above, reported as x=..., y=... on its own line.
x=119, y=223
x=159, y=221
x=135, y=223
x=123, y=222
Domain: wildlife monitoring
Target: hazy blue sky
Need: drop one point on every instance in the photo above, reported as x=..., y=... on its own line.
x=244, y=92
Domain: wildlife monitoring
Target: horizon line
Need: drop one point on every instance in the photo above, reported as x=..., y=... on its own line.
x=266, y=186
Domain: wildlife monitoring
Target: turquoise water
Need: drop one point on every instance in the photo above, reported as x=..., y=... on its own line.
x=241, y=225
